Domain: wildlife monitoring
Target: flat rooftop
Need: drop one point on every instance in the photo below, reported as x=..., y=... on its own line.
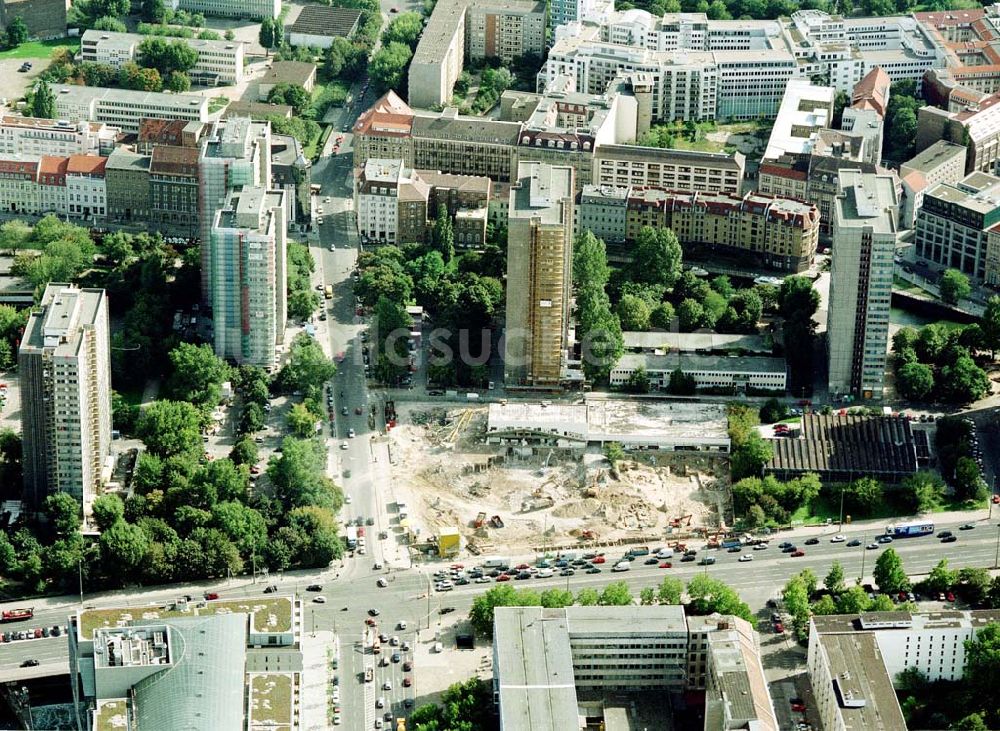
x=272, y=614
x=534, y=671
x=978, y=192
x=111, y=715
x=272, y=702
x=936, y=155
x=695, y=342
x=888, y=621
x=540, y=192
x=322, y=20
x=868, y=201
x=627, y=621
x=702, y=363
x=862, y=687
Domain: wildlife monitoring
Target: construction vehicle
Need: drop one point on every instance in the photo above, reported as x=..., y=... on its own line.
x=496, y=522
x=480, y=519
x=588, y=535
x=676, y=522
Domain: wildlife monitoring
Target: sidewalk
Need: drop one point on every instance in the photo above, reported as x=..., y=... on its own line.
x=315, y=705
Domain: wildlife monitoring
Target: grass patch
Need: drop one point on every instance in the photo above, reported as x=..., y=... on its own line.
x=270, y=701
x=111, y=716
x=822, y=508
x=312, y=148
x=217, y=103
x=41, y=49
x=905, y=286
x=273, y=614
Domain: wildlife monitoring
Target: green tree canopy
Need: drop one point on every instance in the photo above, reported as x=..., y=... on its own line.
x=889, y=574
x=954, y=286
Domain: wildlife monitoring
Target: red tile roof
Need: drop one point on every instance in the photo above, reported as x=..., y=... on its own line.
x=86, y=165
x=872, y=92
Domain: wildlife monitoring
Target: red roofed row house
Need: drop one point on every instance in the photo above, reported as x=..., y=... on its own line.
x=67, y=186
x=776, y=232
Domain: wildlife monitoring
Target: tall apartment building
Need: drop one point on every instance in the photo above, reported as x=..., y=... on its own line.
x=58, y=137
x=544, y=658
x=125, y=109
x=854, y=660
x=219, y=63
x=539, y=274
x=236, y=152
x=864, y=229
x=502, y=29
x=952, y=223
x=249, y=9
x=249, y=276
x=65, y=369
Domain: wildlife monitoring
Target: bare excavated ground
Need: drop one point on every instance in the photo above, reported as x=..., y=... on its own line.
x=447, y=476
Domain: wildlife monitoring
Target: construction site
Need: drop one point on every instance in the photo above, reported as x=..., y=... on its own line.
x=511, y=500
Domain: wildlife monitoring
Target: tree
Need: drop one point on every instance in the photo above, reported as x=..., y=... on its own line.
x=590, y=262
x=243, y=525
x=657, y=256
x=170, y=428
x=63, y=511
x=972, y=722
x=633, y=312
x=293, y=95
x=982, y=669
x=123, y=547
x=388, y=65
x=638, y=382
x=307, y=368
x=797, y=303
x=975, y=584
x=112, y=24
x=824, y=605
x=42, y=102
x=941, y=578
x=266, y=35
x=107, y=510
x=915, y=381
x=154, y=11
x=484, y=605
x=405, y=28
x=17, y=32
x=963, y=381
x=954, y=286
x=662, y=316
x=921, y=492
x=669, y=591
x=690, y=315
x=244, y=452
x=681, y=384
x=301, y=421
x=990, y=325
x=968, y=482
x=709, y=595
x=863, y=495
x=614, y=453
x=197, y=374
x=889, y=574
x=834, y=581
x=178, y=82
x=902, y=128
x=748, y=459
x=588, y=597
x=773, y=411
x=443, y=234
x=556, y=598
x=853, y=601
x=616, y=594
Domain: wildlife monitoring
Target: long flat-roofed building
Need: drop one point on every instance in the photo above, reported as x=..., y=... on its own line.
x=317, y=25
x=539, y=275
x=252, y=9
x=59, y=137
x=741, y=374
x=123, y=108
x=219, y=62
x=628, y=165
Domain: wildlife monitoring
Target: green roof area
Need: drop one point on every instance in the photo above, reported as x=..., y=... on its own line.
x=271, y=614
x=271, y=701
x=111, y=716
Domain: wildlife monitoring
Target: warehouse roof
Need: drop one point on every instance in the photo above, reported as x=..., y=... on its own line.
x=322, y=20
x=847, y=444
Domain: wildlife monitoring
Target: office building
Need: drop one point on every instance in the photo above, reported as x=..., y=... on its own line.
x=65, y=369
x=545, y=659
x=249, y=276
x=778, y=233
x=173, y=132
x=234, y=153
x=867, y=125
x=317, y=26
x=805, y=110
x=125, y=109
x=952, y=223
x=503, y=29
x=628, y=165
x=220, y=63
x=539, y=275
x=58, y=137
x=942, y=162
x=977, y=127
x=602, y=211
x=562, y=12
x=854, y=660
x=173, y=186
x=44, y=18
x=864, y=229
x=226, y=665
x=737, y=375
x=248, y=9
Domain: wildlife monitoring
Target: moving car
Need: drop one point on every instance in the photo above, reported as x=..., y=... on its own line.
x=854, y=542
x=746, y=557
x=798, y=554
x=839, y=538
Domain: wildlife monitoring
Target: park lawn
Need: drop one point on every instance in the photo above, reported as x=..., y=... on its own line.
x=41, y=49
x=820, y=509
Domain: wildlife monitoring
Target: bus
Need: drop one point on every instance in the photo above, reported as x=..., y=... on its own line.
x=910, y=530
x=17, y=615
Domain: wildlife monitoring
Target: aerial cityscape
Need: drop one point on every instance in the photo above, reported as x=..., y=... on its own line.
x=430, y=365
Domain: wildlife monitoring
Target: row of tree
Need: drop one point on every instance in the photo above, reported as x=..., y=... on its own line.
x=936, y=363
x=705, y=594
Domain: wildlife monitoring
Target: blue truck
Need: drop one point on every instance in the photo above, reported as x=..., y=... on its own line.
x=910, y=530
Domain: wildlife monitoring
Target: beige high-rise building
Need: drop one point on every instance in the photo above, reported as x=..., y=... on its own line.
x=539, y=274
x=65, y=369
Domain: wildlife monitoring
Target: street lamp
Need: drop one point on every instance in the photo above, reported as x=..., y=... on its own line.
x=864, y=555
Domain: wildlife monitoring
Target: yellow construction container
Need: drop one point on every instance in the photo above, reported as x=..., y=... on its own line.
x=449, y=542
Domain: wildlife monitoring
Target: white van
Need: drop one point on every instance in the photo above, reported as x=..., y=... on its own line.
x=622, y=566
x=544, y=573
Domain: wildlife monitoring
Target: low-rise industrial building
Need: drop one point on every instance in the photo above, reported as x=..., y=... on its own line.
x=43, y=18
x=674, y=427
x=732, y=373
x=842, y=447
x=318, y=25
x=657, y=343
